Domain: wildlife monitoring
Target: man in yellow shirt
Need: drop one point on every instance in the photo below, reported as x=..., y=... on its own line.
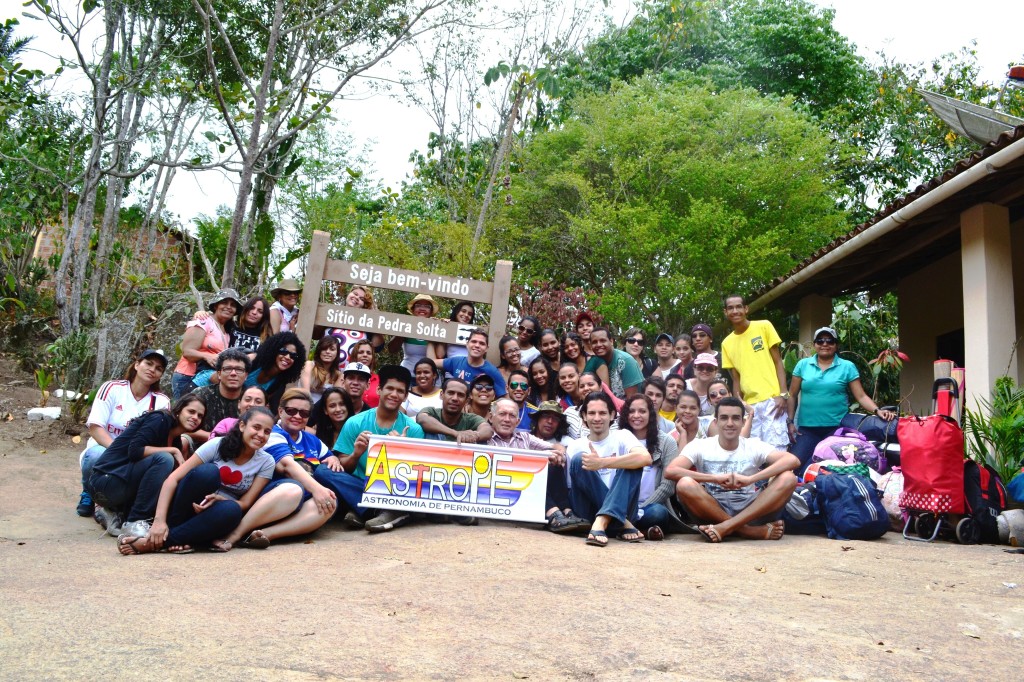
x=752, y=354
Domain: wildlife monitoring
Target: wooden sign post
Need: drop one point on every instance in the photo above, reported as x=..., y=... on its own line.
x=321, y=269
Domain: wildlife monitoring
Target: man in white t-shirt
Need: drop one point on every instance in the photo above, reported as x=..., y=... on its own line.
x=715, y=480
x=605, y=468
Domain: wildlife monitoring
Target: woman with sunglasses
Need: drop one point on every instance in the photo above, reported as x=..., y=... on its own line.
x=529, y=336
x=817, y=396
x=633, y=343
x=293, y=503
x=425, y=391
x=716, y=391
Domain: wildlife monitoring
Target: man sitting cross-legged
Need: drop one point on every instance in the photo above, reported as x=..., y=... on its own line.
x=606, y=468
x=719, y=491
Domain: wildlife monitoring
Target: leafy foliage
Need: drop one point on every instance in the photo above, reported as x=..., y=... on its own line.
x=662, y=198
x=995, y=431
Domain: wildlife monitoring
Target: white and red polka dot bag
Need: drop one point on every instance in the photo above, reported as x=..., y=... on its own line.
x=932, y=460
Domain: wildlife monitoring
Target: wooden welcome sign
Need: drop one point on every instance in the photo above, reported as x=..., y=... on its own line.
x=322, y=269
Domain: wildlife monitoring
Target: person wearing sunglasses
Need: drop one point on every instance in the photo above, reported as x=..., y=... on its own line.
x=481, y=395
x=818, y=398
x=633, y=343
x=529, y=336
x=698, y=341
x=519, y=391
x=293, y=503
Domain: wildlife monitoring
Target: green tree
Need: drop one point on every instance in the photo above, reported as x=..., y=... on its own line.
x=660, y=199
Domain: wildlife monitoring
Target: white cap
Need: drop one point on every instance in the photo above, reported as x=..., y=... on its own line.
x=357, y=367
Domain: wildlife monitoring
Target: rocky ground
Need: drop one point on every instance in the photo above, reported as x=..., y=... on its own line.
x=497, y=601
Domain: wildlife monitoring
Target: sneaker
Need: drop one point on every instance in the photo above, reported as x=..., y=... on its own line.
x=114, y=524
x=85, y=505
x=353, y=521
x=102, y=516
x=136, y=529
x=389, y=519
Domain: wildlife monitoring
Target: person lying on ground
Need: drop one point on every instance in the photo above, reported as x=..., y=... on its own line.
x=716, y=477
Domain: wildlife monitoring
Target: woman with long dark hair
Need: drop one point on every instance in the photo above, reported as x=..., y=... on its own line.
x=463, y=312
x=529, y=335
x=572, y=350
x=322, y=371
x=126, y=479
x=654, y=516
x=329, y=414
x=206, y=498
x=543, y=381
x=550, y=347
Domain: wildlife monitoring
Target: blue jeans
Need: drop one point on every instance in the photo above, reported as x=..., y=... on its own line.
x=137, y=496
x=592, y=498
x=805, y=443
x=347, y=487
x=188, y=527
x=657, y=514
x=89, y=458
x=180, y=384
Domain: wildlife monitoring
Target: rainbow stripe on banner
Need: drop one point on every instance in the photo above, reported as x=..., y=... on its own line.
x=438, y=477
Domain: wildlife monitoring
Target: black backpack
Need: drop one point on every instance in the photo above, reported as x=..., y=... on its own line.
x=985, y=498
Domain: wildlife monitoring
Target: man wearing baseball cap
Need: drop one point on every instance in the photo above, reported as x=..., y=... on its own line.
x=355, y=381
x=701, y=338
x=664, y=344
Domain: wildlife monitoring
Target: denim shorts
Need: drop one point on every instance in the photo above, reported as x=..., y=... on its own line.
x=306, y=495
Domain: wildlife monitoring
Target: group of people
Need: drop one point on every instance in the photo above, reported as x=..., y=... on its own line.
x=261, y=444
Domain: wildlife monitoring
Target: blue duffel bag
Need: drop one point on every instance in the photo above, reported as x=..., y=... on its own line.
x=851, y=507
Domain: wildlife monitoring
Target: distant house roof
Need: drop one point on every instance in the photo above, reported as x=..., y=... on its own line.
x=926, y=236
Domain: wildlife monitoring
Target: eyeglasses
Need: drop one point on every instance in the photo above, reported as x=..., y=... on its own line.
x=527, y=330
x=722, y=393
x=639, y=342
x=292, y=411
x=232, y=370
x=825, y=342
x=484, y=388
x=518, y=385
x=705, y=368
x=285, y=351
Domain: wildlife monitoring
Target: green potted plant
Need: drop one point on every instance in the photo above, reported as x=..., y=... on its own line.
x=995, y=432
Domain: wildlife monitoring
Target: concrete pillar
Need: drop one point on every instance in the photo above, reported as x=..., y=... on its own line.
x=989, y=319
x=815, y=312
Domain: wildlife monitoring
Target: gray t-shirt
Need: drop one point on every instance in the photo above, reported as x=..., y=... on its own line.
x=236, y=479
x=709, y=457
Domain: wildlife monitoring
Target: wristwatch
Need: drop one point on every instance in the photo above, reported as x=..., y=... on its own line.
x=784, y=396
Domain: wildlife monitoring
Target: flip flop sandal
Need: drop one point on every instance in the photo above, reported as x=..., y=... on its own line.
x=181, y=550
x=129, y=542
x=630, y=535
x=256, y=541
x=711, y=534
x=594, y=538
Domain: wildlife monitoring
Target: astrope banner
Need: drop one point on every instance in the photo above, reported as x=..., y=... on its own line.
x=438, y=477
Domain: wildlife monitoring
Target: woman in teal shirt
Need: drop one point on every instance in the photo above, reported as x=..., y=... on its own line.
x=817, y=396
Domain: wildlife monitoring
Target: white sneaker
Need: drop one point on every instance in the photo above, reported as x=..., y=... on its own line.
x=136, y=529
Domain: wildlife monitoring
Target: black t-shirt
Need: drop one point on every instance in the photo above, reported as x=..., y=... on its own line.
x=247, y=342
x=217, y=406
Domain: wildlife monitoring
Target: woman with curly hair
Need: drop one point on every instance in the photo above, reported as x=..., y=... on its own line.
x=278, y=363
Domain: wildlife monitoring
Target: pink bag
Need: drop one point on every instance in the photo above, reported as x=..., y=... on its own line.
x=849, y=446
x=890, y=487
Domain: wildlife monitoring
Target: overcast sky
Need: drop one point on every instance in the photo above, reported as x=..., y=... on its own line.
x=908, y=30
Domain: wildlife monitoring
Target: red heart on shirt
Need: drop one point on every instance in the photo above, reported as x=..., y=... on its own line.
x=229, y=476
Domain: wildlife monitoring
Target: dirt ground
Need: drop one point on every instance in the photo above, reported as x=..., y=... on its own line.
x=497, y=601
